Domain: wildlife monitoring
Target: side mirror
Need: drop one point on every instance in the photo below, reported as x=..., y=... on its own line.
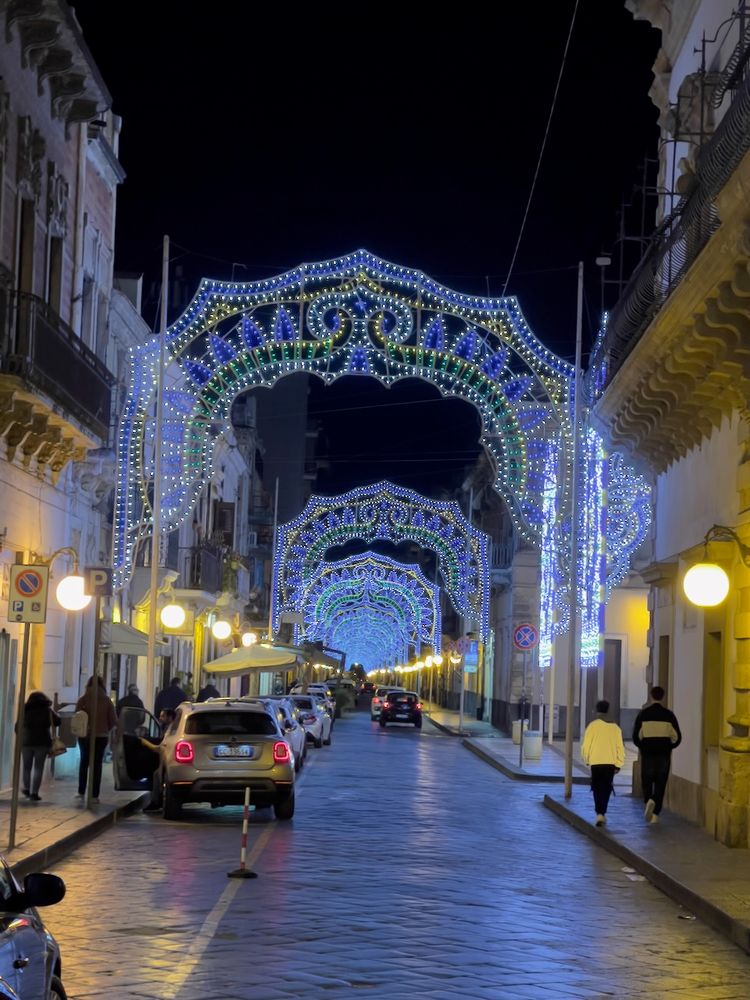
x=42, y=890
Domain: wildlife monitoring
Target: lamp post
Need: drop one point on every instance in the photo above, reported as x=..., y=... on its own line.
x=70, y=596
x=706, y=584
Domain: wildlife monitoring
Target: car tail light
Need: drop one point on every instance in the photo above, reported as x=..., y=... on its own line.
x=386, y=704
x=418, y=706
x=183, y=752
x=281, y=753
x=376, y=701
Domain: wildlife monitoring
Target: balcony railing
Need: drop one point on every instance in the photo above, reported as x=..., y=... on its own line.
x=204, y=569
x=675, y=245
x=37, y=346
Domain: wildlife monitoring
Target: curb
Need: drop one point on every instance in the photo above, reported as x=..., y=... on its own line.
x=447, y=729
x=42, y=859
x=736, y=931
x=517, y=773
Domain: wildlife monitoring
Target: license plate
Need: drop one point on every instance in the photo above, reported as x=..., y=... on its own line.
x=402, y=716
x=226, y=750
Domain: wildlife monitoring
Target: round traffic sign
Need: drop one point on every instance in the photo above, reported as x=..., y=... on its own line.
x=29, y=583
x=525, y=636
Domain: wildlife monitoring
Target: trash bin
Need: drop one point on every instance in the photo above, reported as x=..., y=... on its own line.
x=517, y=729
x=532, y=744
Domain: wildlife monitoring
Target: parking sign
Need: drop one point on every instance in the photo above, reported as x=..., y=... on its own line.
x=27, y=594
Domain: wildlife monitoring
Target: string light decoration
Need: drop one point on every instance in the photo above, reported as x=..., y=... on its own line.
x=400, y=590
x=390, y=513
x=361, y=315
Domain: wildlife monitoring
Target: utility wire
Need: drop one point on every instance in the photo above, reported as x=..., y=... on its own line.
x=541, y=151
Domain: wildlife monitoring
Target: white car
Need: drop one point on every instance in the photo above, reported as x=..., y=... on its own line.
x=316, y=721
x=287, y=715
x=378, y=698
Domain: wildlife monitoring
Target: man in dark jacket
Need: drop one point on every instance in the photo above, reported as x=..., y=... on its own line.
x=135, y=714
x=656, y=733
x=209, y=690
x=170, y=697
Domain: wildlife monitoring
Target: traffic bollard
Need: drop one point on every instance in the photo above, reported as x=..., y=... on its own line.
x=243, y=871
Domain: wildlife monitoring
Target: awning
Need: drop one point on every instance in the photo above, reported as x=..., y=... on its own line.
x=241, y=661
x=125, y=639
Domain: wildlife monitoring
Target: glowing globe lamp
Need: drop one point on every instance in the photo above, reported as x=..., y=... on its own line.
x=70, y=594
x=221, y=629
x=705, y=585
x=172, y=616
x=249, y=638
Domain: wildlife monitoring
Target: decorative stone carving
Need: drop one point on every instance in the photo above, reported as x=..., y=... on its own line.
x=36, y=37
x=55, y=61
x=58, y=191
x=95, y=475
x=64, y=90
x=31, y=149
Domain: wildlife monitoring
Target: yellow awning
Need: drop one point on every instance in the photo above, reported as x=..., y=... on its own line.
x=123, y=638
x=241, y=661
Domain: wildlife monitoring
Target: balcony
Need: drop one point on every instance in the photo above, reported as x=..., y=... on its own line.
x=204, y=569
x=38, y=349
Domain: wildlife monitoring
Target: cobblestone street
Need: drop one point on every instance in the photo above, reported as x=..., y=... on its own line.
x=411, y=869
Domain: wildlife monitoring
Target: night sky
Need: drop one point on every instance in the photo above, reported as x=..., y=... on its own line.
x=257, y=138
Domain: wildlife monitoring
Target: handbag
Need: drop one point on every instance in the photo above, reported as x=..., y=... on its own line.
x=57, y=748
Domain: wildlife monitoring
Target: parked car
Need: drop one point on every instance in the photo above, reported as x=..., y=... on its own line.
x=401, y=706
x=30, y=965
x=377, y=700
x=291, y=726
x=316, y=721
x=210, y=753
x=325, y=695
x=344, y=684
x=367, y=687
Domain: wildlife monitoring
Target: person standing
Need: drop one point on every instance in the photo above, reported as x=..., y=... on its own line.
x=604, y=752
x=131, y=710
x=656, y=733
x=209, y=690
x=170, y=697
x=95, y=702
x=36, y=740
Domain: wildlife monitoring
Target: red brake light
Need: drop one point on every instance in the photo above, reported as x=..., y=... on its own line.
x=418, y=706
x=386, y=704
x=281, y=753
x=183, y=752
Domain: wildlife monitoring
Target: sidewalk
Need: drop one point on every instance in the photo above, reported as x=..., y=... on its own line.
x=681, y=859
x=48, y=830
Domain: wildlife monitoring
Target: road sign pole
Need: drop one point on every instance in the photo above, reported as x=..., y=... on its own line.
x=19, y=737
x=523, y=712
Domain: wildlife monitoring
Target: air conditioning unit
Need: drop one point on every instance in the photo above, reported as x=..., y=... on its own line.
x=252, y=539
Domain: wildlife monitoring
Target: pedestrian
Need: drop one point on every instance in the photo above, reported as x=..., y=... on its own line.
x=209, y=690
x=656, y=733
x=36, y=741
x=170, y=697
x=604, y=752
x=131, y=710
x=101, y=720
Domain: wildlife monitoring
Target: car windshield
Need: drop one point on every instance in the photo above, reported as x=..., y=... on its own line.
x=398, y=696
x=304, y=702
x=230, y=724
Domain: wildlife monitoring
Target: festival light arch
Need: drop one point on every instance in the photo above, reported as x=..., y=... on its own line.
x=383, y=512
x=361, y=315
x=398, y=592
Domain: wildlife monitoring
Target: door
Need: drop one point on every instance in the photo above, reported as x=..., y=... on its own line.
x=134, y=763
x=612, y=669
x=8, y=924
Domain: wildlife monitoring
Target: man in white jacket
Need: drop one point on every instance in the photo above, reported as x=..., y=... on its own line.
x=604, y=752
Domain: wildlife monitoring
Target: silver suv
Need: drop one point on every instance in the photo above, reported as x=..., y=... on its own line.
x=215, y=749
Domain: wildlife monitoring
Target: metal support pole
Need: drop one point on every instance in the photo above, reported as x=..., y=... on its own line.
x=156, y=495
x=551, y=719
x=461, y=701
x=19, y=737
x=523, y=712
x=573, y=659
x=94, y=702
x=273, y=557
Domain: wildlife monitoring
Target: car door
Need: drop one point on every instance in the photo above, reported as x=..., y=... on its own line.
x=134, y=764
x=23, y=945
x=8, y=927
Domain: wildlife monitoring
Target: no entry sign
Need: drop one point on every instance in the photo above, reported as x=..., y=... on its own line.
x=525, y=636
x=27, y=597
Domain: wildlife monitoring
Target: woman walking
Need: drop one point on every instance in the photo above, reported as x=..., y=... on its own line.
x=36, y=740
x=95, y=702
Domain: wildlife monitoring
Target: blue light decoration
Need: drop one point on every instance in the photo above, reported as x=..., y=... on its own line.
x=592, y=565
x=391, y=513
x=345, y=603
x=359, y=315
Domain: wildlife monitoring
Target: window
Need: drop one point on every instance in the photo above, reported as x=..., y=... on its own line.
x=54, y=273
x=230, y=723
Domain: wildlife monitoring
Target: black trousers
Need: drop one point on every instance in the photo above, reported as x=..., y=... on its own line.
x=602, y=776
x=100, y=745
x=654, y=775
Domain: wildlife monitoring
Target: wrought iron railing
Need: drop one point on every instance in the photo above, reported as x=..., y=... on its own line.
x=204, y=569
x=675, y=245
x=37, y=346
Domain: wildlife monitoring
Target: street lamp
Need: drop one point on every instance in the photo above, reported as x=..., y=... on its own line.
x=249, y=639
x=706, y=584
x=70, y=595
x=221, y=629
x=172, y=616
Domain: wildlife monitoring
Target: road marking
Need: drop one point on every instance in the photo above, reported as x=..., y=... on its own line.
x=210, y=925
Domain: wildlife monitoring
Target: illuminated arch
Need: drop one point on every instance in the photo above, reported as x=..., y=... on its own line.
x=383, y=512
x=332, y=599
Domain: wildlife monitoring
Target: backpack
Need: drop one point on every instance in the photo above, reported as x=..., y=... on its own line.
x=79, y=724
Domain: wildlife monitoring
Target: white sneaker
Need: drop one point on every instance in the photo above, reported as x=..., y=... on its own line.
x=654, y=819
x=78, y=797
x=600, y=820
x=648, y=812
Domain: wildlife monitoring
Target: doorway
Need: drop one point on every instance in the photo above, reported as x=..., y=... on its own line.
x=612, y=670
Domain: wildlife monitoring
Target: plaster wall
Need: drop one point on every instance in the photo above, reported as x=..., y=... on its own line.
x=626, y=618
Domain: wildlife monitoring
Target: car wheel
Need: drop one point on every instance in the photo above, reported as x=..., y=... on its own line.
x=57, y=990
x=171, y=805
x=381, y=720
x=318, y=743
x=284, y=808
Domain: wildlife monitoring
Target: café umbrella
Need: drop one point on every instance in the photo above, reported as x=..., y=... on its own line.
x=243, y=660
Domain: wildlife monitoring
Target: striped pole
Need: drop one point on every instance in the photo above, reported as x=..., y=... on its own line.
x=243, y=871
